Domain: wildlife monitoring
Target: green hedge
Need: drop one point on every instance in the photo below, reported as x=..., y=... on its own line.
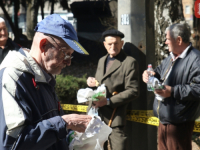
x=67, y=88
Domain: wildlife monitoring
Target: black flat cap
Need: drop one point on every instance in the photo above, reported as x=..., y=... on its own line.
x=112, y=32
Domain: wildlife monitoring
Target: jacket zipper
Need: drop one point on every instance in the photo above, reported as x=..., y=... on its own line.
x=158, y=108
x=164, y=79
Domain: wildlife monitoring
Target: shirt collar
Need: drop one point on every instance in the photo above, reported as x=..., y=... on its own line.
x=183, y=54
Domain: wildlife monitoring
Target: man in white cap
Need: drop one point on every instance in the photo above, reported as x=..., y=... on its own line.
x=6, y=44
x=31, y=117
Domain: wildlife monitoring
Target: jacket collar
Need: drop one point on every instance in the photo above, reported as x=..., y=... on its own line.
x=23, y=61
x=183, y=54
x=116, y=64
x=39, y=73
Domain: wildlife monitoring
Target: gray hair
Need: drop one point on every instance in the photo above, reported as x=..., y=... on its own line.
x=179, y=29
x=2, y=20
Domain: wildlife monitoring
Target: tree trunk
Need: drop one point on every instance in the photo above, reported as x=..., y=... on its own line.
x=16, y=10
x=42, y=9
x=52, y=6
x=31, y=18
x=166, y=12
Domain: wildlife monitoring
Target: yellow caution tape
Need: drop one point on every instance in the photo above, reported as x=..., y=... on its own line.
x=141, y=116
x=196, y=126
x=79, y=108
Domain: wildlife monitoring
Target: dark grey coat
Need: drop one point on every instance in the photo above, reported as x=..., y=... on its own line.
x=122, y=77
x=184, y=103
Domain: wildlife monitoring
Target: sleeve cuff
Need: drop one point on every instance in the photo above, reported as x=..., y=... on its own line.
x=108, y=101
x=172, y=92
x=60, y=126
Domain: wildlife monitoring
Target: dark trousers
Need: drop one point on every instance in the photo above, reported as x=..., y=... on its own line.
x=175, y=137
x=117, y=139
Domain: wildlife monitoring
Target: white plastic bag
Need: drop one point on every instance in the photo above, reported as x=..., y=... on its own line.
x=84, y=95
x=93, y=111
x=88, y=94
x=93, y=138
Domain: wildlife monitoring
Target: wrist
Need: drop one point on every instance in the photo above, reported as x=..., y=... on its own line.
x=108, y=101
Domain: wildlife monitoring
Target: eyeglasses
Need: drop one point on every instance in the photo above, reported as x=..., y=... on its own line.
x=60, y=48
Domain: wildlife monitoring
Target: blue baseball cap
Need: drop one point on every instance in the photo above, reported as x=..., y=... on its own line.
x=55, y=25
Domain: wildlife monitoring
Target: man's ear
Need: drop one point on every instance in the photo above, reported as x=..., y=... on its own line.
x=179, y=40
x=43, y=44
x=122, y=42
x=104, y=43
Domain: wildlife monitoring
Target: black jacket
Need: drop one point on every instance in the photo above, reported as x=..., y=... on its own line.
x=10, y=45
x=184, y=103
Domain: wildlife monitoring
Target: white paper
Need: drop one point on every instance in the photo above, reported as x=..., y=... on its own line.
x=93, y=138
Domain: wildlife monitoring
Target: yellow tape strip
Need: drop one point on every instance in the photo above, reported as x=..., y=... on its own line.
x=143, y=113
x=141, y=116
x=79, y=108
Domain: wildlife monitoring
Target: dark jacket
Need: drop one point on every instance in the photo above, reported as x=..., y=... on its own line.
x=30, y=118
x=122, y=77
x=184, y=103
x=10, y=45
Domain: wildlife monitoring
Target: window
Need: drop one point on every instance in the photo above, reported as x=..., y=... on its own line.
x=187, y=9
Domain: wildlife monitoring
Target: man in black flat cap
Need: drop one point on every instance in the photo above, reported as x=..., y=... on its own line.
x=120, y=74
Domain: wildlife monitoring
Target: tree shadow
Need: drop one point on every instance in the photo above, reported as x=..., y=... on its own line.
x=131, y=50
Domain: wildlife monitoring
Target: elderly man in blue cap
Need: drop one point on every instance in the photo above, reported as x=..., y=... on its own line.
x=30, y=114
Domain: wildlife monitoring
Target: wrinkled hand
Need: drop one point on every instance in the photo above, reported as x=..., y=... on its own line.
x=145, y=76
x=164, y=92
x=91, y=82
x=77, y=122
x=101, y=102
